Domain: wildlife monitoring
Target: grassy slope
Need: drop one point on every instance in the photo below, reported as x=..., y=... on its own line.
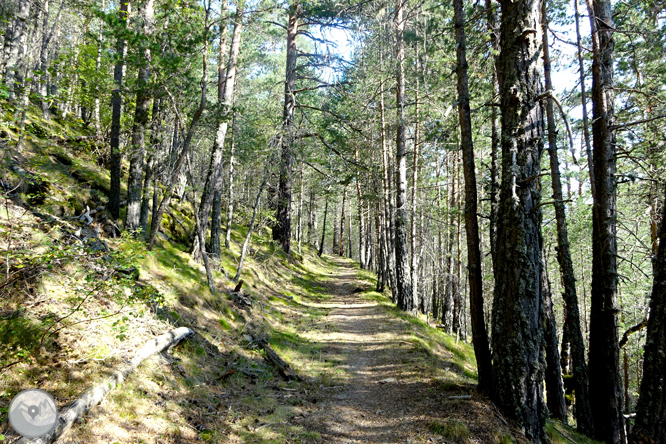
x=71, y=311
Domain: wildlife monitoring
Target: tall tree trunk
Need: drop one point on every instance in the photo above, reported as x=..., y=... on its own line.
x=312, y=223
x=381, y=252
x=137, y=147
x=554, y=384
x=15, y=37
x=583, y=98
x=214, y=174
x=47, y=35
x=362, y=244
x=216, y=225
x=323, y=229
x=342, y=223
x=250, y=229
x=389, y=247
x=230, y=194
x=479, y=334
x=299, y=212
x=413, y=266
x=403, y=284
x=494, y=137
x=517, y=330
x=336, y=230
x=451, y=291
x=98, y=68
x=116, y=105
x=574, y=336
x=282, y=227
x=604, y=361
x=650, y=425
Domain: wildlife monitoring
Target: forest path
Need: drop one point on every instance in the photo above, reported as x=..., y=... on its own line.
x=389, y=394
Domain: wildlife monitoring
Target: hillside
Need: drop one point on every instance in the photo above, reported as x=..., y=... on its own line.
x=77, y=299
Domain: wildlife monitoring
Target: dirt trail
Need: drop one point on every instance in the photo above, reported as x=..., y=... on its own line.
x=387, y=398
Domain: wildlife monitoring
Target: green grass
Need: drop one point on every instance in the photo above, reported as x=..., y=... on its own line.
x=559, y=433
x=454, y=431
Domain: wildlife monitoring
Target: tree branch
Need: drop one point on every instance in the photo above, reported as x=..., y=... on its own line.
x=630, y=331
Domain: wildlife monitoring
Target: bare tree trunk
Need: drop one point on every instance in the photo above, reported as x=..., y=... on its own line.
x=494, y=137
x=137, y=147
x=214, y=176
x=554, y=384
x=250, y=229
x=605, y=381
x=479, y=334
x=230, y=198
x=451, y=291
x=42, y=86
x=336, y=231
x=216, y=226
x=342, y=223
x=299, y=232
x=574, y=336
x=403, y=284
x=389, y=247
x=116, y=105
x=15, y=39
x=583, y=102
x=323, y=229
x=282, y=228
x=98, y=67
x=413, y=267
x=350, y=253
x=312, y=223
x=518, y=315
x=362, y=244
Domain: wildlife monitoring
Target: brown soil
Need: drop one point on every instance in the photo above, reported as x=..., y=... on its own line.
x=390, y=397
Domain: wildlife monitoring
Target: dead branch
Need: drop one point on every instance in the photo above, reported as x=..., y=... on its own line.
x=94, y=395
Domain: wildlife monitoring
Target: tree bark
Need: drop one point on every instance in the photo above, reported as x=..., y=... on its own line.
x=312, y=223
x=583, y=99
x=574, y=336
x=518, y=315
x=116, y=105
x=214, y=247
x=494, y=137
x=554, y=384
x=604, y=378
x=299, y=211
x=403, y=284
x=342, y=223
x=323, y=229
x=282, y=227
x=250, y=229
x=650, y=425
x=214, y=176
x=141, y=113
x=17, y=33
x=479, y=334
x=47, y=35
x=362, y=245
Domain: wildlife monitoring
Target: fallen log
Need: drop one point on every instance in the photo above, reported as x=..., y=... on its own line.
x=95, y=394
x=273, y=358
